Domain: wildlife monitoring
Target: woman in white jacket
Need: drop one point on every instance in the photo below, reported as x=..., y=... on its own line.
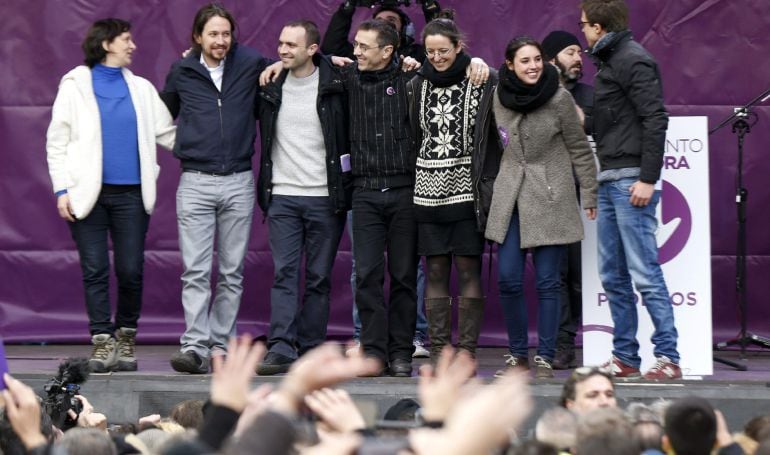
x=101, y=148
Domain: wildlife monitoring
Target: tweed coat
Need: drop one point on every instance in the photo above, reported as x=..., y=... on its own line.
x=536, y=173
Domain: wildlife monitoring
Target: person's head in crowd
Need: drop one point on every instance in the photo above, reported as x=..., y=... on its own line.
x=533, y=447
x=87, y=441
x=557, y=427
x=108, y=42
x=297, y=45
x=395, y=17
x=524, y=57
x=442, y=40
x=405, y=410
x=188, y=413
x=758, y=428
x=605, y=431
x=588, y=388
x=690, y=426
x=647, y=425
x=213, y=33
x=375, y=43
x=599, y=17
x=10, y=444
x=563, y=50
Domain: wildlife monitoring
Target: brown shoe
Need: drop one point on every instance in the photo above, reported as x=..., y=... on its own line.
x=543, y=368
x=470, y=319
x=438, y=311
x=513, y=363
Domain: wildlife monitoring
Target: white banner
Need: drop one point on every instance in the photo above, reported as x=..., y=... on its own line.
x=684, y=242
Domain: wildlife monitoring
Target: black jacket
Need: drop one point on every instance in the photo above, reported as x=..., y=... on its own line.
x=335, y=40
x=215, y=131
x=487, y=147
x=629, y=118
x=583, y=94
x=332, y=110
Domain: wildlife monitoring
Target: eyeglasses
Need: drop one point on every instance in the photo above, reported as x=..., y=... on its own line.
x=583, y=372
x=582, y=24
x=437, y=52
x=364, y=47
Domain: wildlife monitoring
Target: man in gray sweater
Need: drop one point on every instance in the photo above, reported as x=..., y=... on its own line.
x=302, y=191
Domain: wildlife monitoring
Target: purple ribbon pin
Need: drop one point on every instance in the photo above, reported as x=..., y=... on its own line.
x=503, y=135
x=390, y=91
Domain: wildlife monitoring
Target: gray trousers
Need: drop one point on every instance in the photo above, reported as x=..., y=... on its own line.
x=205, y=205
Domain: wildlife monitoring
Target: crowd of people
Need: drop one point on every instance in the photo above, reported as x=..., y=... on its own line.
x=430, y=151
x=308, y=412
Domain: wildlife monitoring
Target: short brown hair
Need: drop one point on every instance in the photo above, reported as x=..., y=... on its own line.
x=100, y=31
x=612, y=15
x=386, y=33
x=312, y=35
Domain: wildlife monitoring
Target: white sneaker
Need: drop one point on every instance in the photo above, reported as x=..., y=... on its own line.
x=419, y=350
x=353, y=350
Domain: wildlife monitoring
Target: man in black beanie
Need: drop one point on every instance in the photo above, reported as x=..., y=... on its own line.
x=563, y=50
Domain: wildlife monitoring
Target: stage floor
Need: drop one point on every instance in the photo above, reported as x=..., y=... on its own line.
x=155, y=387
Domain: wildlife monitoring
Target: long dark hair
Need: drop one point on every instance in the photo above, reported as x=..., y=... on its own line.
x=100, y=31
x=444, y=25
x=517, y=43
x=204, y=15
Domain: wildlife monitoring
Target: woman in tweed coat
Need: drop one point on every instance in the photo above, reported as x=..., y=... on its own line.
x=534, y=204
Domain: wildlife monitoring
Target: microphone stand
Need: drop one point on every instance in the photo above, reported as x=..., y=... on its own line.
x=741, y=127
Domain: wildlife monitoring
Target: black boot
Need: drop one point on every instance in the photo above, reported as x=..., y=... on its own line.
x=439, y=314
x=470, y=320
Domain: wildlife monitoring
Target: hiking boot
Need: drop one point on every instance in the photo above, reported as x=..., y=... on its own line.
x=419, y=350
x=189, y=362
x=104, y=357
x=274, y=363
x=664, y=369
x=620, y=370
x=126, y=346
x=543, y=368
x=564, y=359
x=513, y=363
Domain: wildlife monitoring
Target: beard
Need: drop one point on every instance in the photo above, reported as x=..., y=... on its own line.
x=567, y=74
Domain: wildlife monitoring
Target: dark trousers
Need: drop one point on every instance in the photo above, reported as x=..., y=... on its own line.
x=384, y=221
x=119, y=212
x=301, y=226
x=571, y=299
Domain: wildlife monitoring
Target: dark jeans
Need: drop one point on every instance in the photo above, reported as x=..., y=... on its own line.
x=511, y=260
x=301, y=225
x=571, y=301
x=384, y=221
x=119, y=211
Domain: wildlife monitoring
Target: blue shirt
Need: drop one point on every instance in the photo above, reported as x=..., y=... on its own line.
x=120, y=147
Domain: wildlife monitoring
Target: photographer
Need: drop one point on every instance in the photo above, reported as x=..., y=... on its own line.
x=335, y=40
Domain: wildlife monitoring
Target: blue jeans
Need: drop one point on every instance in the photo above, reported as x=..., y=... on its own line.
x=301, y=226
x=421, y=331
x=511, y=261
x=119, y=212
x=628, y=251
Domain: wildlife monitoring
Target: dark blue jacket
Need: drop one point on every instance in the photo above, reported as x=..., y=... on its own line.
x=215, y=131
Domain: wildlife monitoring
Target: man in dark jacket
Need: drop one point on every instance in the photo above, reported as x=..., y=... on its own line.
x=335, y=41
x=302, y=190
x=629, y=126
x=213, y=92
x=563, y=50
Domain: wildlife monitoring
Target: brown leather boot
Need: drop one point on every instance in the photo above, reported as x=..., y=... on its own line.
x=438, y=311
x=470, y=320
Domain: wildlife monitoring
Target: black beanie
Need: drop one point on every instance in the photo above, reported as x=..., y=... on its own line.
x=556, y=41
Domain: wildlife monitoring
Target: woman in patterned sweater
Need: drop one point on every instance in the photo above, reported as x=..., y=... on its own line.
x=451, y=124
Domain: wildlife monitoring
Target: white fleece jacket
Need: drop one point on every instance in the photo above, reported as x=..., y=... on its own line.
x=74, y=139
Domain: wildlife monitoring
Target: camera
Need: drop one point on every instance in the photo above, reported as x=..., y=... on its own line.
x=386, y=3
x=61, y=391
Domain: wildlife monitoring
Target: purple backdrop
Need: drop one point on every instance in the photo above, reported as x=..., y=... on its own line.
x=712, y=54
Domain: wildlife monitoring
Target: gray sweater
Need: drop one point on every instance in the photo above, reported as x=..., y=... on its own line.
x=536, y=175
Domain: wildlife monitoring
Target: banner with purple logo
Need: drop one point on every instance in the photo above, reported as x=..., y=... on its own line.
x=684, y=251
